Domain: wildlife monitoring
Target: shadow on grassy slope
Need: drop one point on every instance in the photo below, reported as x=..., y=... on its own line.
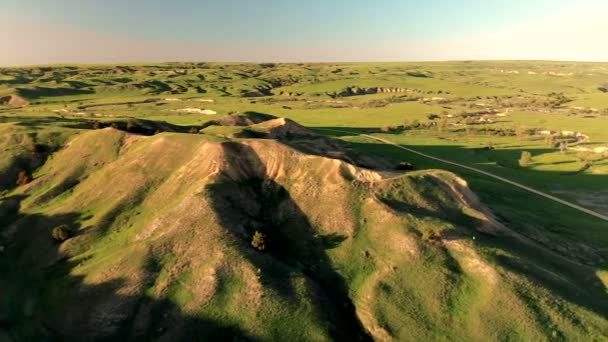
x=246, y=201
x=40, y=92
x=135, y=126
x=46, y=121
x=42, y=300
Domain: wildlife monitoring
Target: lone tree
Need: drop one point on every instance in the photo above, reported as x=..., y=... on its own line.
x=61, y=233
x=258, y=241
x=526, y=158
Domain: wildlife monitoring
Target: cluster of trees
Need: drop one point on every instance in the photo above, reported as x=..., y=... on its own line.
x=407, y=125
x=440, y=124
x=501, y=132
x=558, y=99
x=378, y=103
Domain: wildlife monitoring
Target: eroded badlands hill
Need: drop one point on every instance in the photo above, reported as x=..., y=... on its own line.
x=162, y=249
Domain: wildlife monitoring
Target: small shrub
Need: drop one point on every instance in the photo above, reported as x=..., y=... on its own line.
x=259, y=241
x=23, y=178
x=97, y=125
x=193, y=130
x=430, y=236
x=526, y=158
x=405, y=166
x=61, y=233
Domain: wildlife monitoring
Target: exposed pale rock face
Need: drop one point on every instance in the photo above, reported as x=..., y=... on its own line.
x=13, y=101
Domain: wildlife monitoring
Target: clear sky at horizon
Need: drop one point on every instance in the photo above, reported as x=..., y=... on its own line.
x=90, y=31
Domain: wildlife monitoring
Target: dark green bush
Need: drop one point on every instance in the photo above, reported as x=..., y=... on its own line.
x=405, y=166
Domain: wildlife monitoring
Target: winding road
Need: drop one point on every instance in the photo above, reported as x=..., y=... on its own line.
x=491, y=175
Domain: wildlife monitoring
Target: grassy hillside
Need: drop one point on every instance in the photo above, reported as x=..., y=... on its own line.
x=184, y=226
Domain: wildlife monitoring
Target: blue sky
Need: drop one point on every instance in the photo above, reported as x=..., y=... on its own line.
x=287, y=30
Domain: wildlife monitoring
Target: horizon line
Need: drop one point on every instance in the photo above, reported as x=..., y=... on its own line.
x=296, y=62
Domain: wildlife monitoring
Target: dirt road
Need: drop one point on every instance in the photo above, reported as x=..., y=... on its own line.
x=491, y=175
